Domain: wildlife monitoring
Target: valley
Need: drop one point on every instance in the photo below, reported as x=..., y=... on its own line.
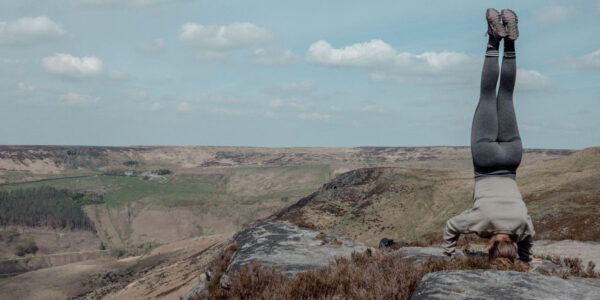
x=143, y=199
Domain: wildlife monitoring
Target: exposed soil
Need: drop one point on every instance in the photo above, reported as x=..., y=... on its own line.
x=47, y=239
x=167, y=273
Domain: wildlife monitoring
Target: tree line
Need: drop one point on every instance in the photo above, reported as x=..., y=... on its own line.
x=44, y=206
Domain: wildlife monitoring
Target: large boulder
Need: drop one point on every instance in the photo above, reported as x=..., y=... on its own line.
x=287, y=247
x=494, y=284
x=199, y=291
x=587, y=251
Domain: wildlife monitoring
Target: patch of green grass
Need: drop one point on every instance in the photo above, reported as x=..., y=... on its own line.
x=16, y=175
x=120, y=190
x=75, y=184
x=123, y=190
x=10, y=275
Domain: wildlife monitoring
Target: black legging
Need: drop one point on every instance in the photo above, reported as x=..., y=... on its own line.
x=495, y=142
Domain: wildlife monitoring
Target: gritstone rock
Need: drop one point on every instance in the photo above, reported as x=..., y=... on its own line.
x=587, y=251
x=494, y=284
x=282, y=245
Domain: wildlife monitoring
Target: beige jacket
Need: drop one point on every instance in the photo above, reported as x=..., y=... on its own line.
x=498, y=208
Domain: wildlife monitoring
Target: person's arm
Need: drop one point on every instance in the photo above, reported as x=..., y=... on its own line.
x=454, y=227
x=524, y=249
x=525, y=246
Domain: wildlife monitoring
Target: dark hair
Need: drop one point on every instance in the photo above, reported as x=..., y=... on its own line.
x=504, y=249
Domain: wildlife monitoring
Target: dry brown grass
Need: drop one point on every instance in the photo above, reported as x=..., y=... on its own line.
x=368, y=275
x=219, y=267
x=435, y=240
x=572, y=267
x=303, y=223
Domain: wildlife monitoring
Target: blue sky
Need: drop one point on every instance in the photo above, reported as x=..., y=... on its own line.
x=279, y=74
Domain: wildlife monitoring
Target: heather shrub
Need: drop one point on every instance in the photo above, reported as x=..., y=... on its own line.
x=572, y=267
x=380, y=274
x=368, y=275
x=219, y=267
x=28, y=246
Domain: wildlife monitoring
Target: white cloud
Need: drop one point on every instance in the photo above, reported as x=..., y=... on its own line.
x=75, y=99
x=554, y=13
x=118, y=75
x=141, y=94
x=183, y=106
x=209, y=55
x=371, y=108
x=121, y=3
x=72, y=66
x=155, y=106
x=273, y=57
x=384, y=63
x=531, y=80
x=293, y=88
x=158, y=46
x=278, y=104
x=24, y=88
x=373, y=53
x=363, y=109
x=314, y=116
x=217, y=98
x=299, y=87
x=590, y=61
x=231, y=111
x=228, y=37
x=8, y=62
x=26, y=31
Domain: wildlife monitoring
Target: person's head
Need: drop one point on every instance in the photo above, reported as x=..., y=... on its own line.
x=502, y=246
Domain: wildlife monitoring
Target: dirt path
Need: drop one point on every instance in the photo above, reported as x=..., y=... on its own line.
x=17, y=258
x=50, y=179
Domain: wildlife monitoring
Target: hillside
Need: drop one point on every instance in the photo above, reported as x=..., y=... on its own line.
x=413, y=204
x=194, y=207
x=203, y=191
x=26, y=163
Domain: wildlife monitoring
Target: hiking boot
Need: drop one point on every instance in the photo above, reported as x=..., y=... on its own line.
x=495, y=27
x=510, y=21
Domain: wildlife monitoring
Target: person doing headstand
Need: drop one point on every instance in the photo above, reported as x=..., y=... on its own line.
x=498, y=212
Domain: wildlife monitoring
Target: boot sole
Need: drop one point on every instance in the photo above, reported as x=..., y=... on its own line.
x=493, y=19
x=511, y=25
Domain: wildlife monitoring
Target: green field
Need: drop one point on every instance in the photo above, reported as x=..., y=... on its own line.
x=232, y=195
x=242, y=186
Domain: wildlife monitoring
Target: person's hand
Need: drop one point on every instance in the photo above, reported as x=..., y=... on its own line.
x=536, y=260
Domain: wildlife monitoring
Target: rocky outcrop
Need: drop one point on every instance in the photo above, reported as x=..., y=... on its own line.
x=290, y=249
x=586, y=251
x=199, y=291
x=420, y=254
x=493, y=284
x=287, y=247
